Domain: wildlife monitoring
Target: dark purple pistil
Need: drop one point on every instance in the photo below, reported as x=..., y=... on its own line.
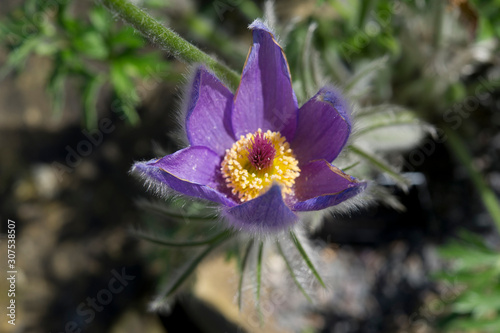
x=261, y=154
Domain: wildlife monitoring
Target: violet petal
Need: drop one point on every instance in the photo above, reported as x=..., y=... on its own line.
x=192, y=171
x=208, y=122
x=321, y=185
x=265, y=98
x=323, y=127
x=265, y=213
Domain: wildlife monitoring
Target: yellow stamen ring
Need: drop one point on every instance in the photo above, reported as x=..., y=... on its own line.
x=247, y=178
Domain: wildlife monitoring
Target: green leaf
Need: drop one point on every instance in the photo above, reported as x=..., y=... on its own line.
x=179, y=211
x=47, y=49
x=191, y=266
x=19, y=55
x=158, y=4
x=250, y=9
x=128, y=38
x=242, y=272
x=292, y=273
x=480, y=303
x=390, y=43
x=304, y=255
x=121, y=82
x=365, y=7
x=90, y=97
x=259, y=274
x=344, y=9
x=390, y=118
x=92, y=44
x=474, y=240
x=206, y=31
x=56, y=89
x=389, y=109
x=308, y=81
x=142, y=66
x=350, y=166
x=472, y=279
x=125, y=91
x=223, y=235
x=474, y=325
x=469, y=258
x=360, y=80
x=488, y=196
x=391, y=128
x=72, y=27
x=381, y=165
x=101, y=20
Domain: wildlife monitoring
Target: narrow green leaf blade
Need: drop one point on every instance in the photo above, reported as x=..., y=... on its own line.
x=350, y=166
x=17, y=57
x=259, y=279
x=304, y=255
x=179, y=212
x=379, y=164
x=292, y=273
x=90, y=96
x=223, y=235
x=402, y=119
x=489, y=198
x=358, y=83
x=259, y=272
x=189, y=269
x=242, y=272
x=56, y=89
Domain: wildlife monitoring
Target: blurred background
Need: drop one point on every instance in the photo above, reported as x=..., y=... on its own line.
x=83, y=96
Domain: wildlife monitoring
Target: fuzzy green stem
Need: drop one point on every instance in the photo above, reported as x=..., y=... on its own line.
x=488, y=197
x=169, y=40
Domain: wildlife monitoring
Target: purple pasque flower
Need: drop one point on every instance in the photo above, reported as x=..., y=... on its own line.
x=256, y=153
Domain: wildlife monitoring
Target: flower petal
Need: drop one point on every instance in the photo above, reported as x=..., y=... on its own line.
x=192, y=171
x=266, y=213
x=265, y=97
x=321, y=185
x=323, y=127
x=208, y=121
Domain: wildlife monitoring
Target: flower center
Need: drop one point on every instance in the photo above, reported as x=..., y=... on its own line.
x=261, y=152
x=258, y=160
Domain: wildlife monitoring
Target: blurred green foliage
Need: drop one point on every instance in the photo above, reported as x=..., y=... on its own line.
x=475, y=274
x=489, y=14
x=95, y=50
